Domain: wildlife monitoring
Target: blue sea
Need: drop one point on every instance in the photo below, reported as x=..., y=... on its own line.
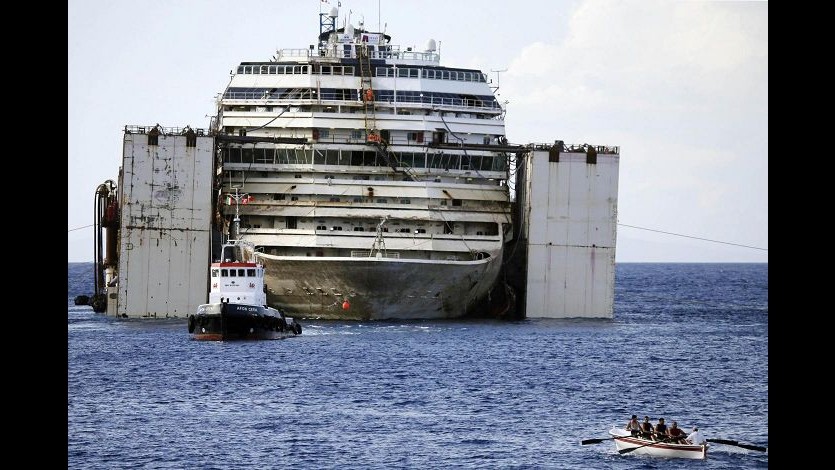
x=688, y=342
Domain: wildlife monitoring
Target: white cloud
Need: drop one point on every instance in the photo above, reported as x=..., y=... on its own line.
x=682, y=88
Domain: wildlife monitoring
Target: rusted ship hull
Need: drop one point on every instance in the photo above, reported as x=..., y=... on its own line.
x=378, y=288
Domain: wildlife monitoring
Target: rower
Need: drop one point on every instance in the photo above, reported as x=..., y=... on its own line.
x=646, y=428
x=634, y=426
x=660, y=430
x=675, y=433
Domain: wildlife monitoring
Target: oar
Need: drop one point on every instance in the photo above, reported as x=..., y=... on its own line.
x=626, y=451
x=723, y=441
x=737, y=444
x=598, y=441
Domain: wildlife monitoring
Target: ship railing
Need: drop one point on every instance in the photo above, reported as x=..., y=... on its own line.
x=577, y=148
x=408, y=55
x=284, y=54
x=134, y=129
x=420, y=157
x=338, y=51
x=450, y=102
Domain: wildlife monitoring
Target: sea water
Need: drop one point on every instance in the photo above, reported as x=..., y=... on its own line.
x=688, y=342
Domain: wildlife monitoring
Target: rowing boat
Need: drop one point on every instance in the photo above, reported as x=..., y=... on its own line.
x=625, y=440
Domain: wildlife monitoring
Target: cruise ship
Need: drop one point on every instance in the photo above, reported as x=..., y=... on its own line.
x=372, y=180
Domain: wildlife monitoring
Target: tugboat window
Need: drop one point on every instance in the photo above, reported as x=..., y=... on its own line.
x=214, y=272
x=241, y=272
x=232, y=273
x=250, y=273
x=224, y=273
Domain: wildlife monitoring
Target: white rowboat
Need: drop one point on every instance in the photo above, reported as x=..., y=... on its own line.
x=625, y=440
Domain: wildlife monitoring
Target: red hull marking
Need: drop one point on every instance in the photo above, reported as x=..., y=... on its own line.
x=209, y=337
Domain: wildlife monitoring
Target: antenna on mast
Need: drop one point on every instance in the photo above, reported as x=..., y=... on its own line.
x=239, y=198
x=498, y=79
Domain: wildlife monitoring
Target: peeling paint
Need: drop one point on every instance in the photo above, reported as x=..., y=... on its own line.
x=165, y=228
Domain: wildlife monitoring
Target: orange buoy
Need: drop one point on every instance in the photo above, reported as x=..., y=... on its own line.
x=346, y=305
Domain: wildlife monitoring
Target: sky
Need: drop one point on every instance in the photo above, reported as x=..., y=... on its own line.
x=680, y=86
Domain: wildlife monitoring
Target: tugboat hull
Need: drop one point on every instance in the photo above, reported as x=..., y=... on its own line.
x=229, y=322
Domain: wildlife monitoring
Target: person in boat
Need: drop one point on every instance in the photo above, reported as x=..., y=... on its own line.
x=647, y=428
x=634, y=426
x=676, y=435
x=660, y=430
x=696, y=437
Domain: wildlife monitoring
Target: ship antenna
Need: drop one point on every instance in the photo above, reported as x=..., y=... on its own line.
x=236, y=222
x=498, y=78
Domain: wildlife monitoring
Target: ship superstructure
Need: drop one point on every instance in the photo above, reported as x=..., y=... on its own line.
x=377, y=177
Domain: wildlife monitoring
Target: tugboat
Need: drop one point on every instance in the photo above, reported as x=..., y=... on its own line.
x=237, y=308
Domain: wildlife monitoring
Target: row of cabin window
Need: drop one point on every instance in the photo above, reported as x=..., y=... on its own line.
x=403, y=72
x=435, y=74
x=353, y=94
x=362, y=158
x=443, y=202
x=355, y=134
x=287, y=70
x=292, y=223
x=225, y=272
x=338, y=228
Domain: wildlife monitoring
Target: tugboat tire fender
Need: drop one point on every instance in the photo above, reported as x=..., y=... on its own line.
x=191, y=323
